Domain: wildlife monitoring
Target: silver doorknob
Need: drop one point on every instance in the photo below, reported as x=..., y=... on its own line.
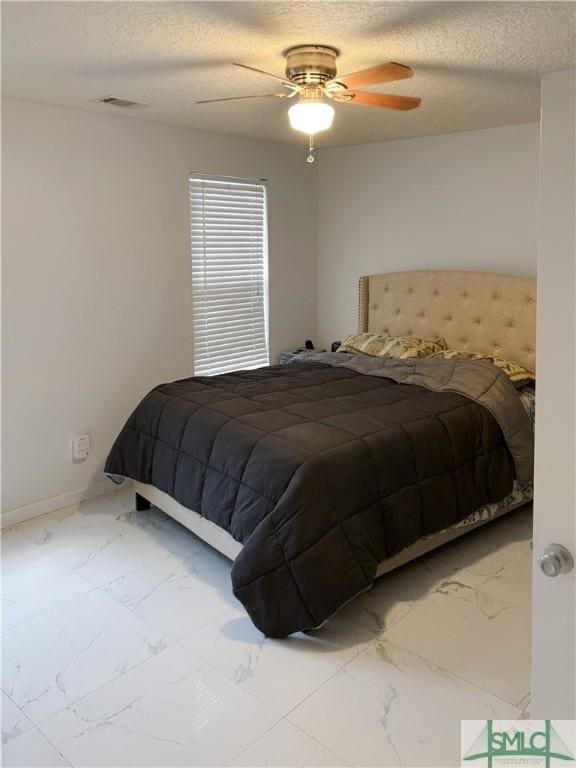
x=556, y=560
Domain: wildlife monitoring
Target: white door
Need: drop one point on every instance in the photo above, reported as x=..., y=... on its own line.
x=554, y=598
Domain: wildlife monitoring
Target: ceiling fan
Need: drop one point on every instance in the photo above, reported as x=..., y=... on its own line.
x=311, y=77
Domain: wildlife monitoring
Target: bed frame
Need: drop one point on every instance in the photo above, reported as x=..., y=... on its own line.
x=474, y=311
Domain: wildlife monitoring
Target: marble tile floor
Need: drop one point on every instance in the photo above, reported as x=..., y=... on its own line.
x=123, y=645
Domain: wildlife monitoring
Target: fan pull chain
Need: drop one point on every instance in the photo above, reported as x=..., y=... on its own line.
x=311, y=151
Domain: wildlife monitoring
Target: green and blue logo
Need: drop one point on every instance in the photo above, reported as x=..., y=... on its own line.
x=519, y=741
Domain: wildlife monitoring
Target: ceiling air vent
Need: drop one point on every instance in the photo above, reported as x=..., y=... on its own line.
x=123, y=103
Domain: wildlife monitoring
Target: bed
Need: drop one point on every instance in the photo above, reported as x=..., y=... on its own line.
x=300, y=471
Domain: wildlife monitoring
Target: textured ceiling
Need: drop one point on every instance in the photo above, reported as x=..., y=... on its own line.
x=477, y=64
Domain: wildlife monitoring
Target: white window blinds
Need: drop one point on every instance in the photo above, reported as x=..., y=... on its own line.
x=229, y=245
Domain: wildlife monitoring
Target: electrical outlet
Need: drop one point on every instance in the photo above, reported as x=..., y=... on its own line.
x=80, y=447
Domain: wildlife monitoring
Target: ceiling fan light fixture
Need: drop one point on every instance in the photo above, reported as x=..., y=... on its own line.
x=311, y=117
x=312, y=76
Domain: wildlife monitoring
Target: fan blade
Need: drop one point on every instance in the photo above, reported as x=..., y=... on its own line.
x=383, y=73
x=387, y=100
x=262, y=72
x=237, y=98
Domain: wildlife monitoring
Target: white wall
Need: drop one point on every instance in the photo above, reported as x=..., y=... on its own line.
x=96, y=278
x=457, y=201
x=554, y=627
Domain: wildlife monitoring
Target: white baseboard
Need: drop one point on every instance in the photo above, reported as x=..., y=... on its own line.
x=38, y=508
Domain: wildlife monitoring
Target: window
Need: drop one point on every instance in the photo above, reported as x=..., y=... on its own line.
x=229, y=244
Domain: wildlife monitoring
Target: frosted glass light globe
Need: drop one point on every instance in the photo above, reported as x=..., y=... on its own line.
x=310, y=117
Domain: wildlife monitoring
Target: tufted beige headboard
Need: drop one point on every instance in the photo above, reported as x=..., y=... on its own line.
x=474, y=311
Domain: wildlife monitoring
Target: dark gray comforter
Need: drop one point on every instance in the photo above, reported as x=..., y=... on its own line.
x=322, y=471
